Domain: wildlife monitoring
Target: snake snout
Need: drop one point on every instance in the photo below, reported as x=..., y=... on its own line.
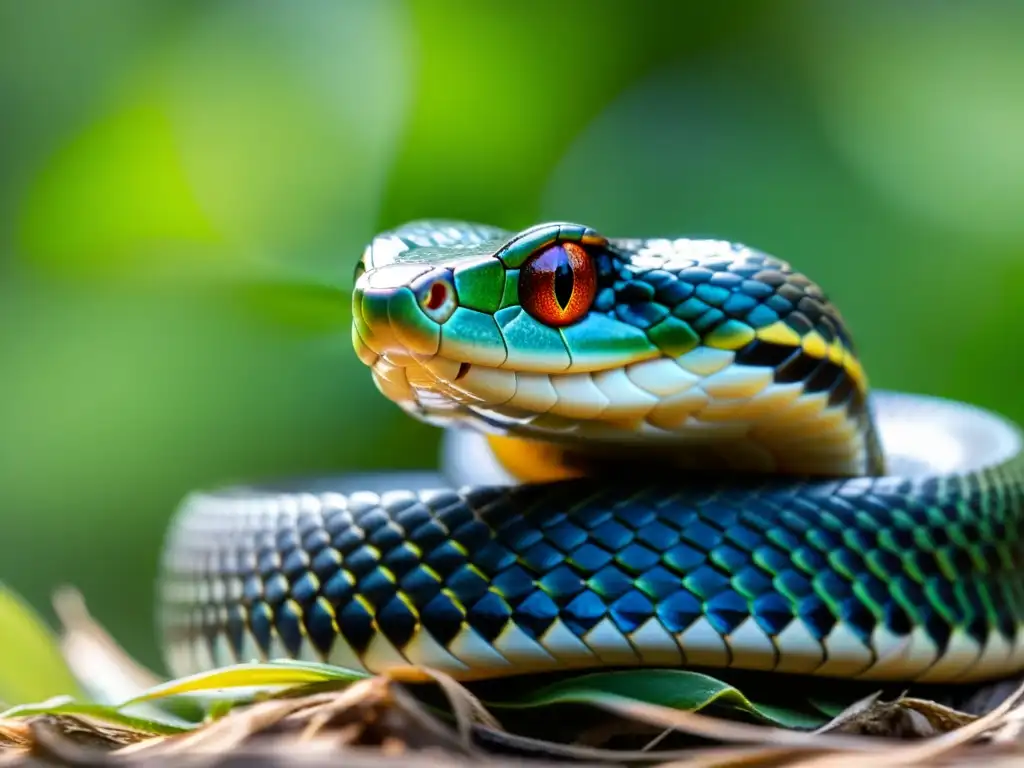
x=397, y=310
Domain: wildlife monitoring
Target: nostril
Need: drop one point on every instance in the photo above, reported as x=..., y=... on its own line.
x=437, y=296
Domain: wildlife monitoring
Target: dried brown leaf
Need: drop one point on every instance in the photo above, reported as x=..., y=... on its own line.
x=95, y=659
x=467, y=709
x=729, y=731
x=928, y=751
x=850, y=714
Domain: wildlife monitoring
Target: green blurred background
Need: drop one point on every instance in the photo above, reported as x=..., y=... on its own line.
x=160, y=159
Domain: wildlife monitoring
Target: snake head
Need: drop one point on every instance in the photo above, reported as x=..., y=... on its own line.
x=457, y=321
x=559, y=333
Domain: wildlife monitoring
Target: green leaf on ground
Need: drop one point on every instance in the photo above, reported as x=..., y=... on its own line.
x=97, y=712
x=250, y=679
x=677, y=689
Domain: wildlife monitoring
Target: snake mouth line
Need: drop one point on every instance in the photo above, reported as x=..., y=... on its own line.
x=429, y=381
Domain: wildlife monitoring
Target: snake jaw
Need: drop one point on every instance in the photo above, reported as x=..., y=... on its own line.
x=391, y=380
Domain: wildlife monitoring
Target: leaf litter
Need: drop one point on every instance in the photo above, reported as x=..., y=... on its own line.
x=303, y=714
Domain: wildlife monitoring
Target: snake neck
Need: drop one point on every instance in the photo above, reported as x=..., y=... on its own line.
x=538, y=461
x=533, y=461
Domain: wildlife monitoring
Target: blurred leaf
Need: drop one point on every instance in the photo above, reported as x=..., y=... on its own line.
x=257, y=132
x=926, y=104
x=287, y=117
x=305, y=306
x=676, y=689
x=60, y=66
x=503, y=88
x=32, y=668
x=114, y=198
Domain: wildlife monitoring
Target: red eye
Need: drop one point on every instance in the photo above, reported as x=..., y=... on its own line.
x=557, y=285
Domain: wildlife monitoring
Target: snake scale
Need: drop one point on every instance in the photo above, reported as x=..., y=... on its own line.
x=659, y=452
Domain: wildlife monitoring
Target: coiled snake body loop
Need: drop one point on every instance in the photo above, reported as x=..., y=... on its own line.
x=659, y=452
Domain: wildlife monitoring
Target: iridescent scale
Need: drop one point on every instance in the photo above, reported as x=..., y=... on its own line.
x=876, y=578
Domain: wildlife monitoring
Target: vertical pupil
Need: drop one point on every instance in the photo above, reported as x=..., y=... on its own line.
x=563, y=284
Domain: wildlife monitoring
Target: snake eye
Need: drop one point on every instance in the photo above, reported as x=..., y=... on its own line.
x=557, y=284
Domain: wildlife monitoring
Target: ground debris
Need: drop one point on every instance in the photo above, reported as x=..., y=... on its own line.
x=374, y=718
x=378, y=722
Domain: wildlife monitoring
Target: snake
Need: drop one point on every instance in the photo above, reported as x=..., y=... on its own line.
x=657, y=452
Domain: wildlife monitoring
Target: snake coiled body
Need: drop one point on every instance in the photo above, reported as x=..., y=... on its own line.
x=660, y=452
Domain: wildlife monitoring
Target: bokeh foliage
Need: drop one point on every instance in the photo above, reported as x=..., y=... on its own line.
x=161, y=161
